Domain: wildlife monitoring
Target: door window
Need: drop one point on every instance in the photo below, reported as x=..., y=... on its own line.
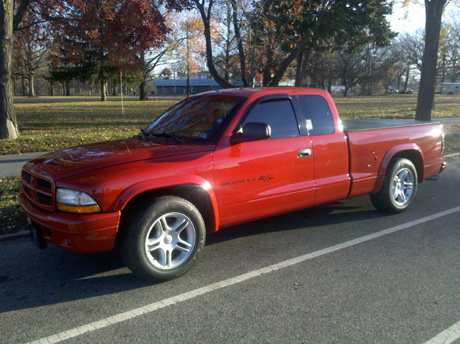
x=279, y=115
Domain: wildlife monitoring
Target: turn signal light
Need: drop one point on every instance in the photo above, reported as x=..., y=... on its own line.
x=79, y=209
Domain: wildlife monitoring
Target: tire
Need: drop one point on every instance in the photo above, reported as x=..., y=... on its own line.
x=398, y=189
x=162, y=240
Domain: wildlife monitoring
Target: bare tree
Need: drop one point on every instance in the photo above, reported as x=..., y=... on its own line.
x=29, y=54
x=349, y=68
x=453, y=51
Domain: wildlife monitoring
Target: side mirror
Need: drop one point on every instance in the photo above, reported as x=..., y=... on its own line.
x=252, y=131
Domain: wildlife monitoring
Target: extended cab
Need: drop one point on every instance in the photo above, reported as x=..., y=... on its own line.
x=219, y=159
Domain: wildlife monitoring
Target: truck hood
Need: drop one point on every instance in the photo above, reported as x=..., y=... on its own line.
x=86, y=158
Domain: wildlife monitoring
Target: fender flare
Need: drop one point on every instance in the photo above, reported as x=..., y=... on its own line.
x=390, y=154
x=154, y=184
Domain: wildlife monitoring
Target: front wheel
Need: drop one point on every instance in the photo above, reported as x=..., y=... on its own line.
x=163, y=239
x=398, y=188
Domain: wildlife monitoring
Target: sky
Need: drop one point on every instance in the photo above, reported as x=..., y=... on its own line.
x=411, y=18
x=407, y=19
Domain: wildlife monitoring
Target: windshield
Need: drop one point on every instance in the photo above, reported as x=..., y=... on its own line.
x=198, y=118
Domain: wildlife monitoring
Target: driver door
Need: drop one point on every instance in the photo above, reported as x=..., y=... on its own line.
x=260, y=178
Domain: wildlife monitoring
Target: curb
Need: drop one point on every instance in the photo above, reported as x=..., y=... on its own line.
x=14, y=236
x=452, y=156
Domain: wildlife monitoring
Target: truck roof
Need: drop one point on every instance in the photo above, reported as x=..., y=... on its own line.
x=250, y=91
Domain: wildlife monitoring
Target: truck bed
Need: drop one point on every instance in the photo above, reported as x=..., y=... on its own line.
x=372, y=142
x=350, y=125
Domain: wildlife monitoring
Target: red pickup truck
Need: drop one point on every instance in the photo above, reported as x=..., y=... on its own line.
x=219, y=159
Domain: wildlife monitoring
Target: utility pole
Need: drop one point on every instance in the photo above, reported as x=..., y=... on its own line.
x=188, y=60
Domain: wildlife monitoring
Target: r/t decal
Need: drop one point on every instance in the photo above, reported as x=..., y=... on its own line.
x=264, y=179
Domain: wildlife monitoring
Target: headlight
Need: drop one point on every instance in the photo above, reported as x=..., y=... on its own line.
x=75, y=202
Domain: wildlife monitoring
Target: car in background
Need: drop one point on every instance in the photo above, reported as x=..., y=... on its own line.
x=393, y=90
x=406, y=91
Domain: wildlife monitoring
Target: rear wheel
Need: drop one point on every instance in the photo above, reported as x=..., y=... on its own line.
x=398, y=189
x=163, y=238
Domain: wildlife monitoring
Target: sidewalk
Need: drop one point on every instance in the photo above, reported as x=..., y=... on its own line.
x=11, y=165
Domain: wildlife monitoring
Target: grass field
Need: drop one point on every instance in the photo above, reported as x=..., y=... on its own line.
x=394, y=106
x=50, y=124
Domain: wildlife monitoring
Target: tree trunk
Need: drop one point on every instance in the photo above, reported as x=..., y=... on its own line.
x=8, y=123
x=67, y=89
x=103, y=90
x=268, y=72
x=31, y=87
x=345, y=92
x=23, y=86
x=143, y=90
x=425, y=99
x=299, y=69
x=207, y=35
x=407, y=78
x=239, y=41
x=51, y=89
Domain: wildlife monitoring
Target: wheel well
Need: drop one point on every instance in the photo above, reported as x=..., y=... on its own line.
x=415, y=157
x=192, y=193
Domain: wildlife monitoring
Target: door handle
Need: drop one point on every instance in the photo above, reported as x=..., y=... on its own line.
x=304, y=153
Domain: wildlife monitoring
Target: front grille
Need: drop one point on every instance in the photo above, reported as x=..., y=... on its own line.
x=44, y=198
x=44, y=184
x=39, y=191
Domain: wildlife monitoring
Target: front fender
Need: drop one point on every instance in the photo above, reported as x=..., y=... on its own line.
x=167, y=182
x=407, y=151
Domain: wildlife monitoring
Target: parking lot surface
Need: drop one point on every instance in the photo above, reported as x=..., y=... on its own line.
x=340, y=273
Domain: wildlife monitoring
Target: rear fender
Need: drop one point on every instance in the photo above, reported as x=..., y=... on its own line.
x=410, y=151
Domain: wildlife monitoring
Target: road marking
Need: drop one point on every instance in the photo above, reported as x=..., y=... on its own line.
x=448, y=336
x=118, y=318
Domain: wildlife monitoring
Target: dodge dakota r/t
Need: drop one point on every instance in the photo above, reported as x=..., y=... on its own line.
x=218, y=159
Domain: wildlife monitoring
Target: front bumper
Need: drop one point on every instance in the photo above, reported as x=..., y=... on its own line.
x=74, y=232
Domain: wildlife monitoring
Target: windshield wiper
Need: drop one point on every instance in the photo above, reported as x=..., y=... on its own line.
x=172, y=136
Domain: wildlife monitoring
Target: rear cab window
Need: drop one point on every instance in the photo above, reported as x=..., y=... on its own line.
x=318, y=115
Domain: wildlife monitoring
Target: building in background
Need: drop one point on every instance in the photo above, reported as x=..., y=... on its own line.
x=168, y=87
